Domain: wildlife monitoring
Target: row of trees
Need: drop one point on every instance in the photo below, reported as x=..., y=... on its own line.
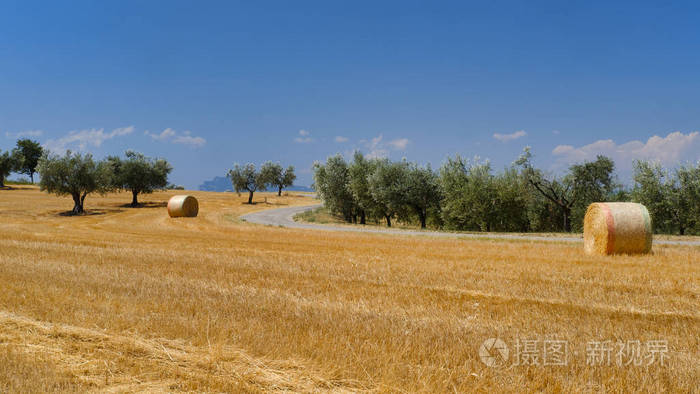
x=23, y=159
x=671, y=196
x=468, y=195
x=246, y=178
x=77, y=175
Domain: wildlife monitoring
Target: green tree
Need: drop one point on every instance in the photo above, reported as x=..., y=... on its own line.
x=278, y=177
x=687, y=204
x=651, y=189
x=672, y=198
x=542, y=214
x=423, y=192
x=139, y=174
x=467, y=194
x=7, y=165
x=331, y=183
x=389, y=186
x=585, y=183
x=358, y=174
x=75, y=175
x=510, y=199
x=592, y=181
x=28, y=153
x=247, y=178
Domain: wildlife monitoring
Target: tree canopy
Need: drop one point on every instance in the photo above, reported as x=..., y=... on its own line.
x=468, y=195
x=74, y=174
x=27, y=155
x=7, y=165
x=277, y=177
x=358, y=185
x=247, y=178
x=672, y=197
x=389, y=186
x=331, y=181
x=139, y=174
x=424, y=191
x=585, y=183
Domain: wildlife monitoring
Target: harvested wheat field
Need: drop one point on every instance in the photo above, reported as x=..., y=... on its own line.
x=128, y=299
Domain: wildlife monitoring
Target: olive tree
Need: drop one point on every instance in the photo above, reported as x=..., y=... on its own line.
x=27, y=155
x=75, y=175
x=7, y=165
x=423, y=188
x=278, y=177
x=247, y=178
x=358, y=183
x=651, y=189
x=331, y=183
x=468, y=190
x=139, y=174
x=585, y=183
x=511, y=199
x=389, y=186
x=672, y=198
x=686, y=207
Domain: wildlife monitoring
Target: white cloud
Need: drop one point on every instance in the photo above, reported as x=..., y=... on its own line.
x=378, y=148
x=304, y=137
x=83, y=138
x=562, y=150
x=164, y=135
x=22, y=134
x=670, y=150
x=340, y=139
x=196, y=142
x=183, y=138
x=399, y=144
x=509, y=137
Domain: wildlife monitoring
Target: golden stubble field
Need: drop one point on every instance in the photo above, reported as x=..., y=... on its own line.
x=130, y=300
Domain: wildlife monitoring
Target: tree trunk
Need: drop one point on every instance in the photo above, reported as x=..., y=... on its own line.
x=567, y=221
x=31, y=176
x=2, y=181
x=134, y=199
x=77, y=204
x=681, y=230
x=362, y=217
x=422, y=220
x=279, y=191
x=388, y=220
x=250, y=197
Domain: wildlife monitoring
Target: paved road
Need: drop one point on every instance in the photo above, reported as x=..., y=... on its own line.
x=285, y=217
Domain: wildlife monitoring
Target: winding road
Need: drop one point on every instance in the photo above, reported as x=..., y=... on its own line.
x=284, y=217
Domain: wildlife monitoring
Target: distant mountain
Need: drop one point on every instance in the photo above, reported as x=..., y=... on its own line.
x=223, y=184
x=218, y=184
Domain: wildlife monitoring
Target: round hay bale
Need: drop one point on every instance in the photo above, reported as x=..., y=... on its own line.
x=183, y=206
x=616, y=227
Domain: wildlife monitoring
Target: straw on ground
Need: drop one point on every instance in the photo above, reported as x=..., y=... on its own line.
x=130, y=300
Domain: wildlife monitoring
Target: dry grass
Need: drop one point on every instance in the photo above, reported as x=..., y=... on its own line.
x=131, y=300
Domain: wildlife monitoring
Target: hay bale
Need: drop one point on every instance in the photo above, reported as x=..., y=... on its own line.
x=183, y=206
x=616, y=227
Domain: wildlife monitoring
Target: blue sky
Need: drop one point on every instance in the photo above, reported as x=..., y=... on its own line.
x=209, y=84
